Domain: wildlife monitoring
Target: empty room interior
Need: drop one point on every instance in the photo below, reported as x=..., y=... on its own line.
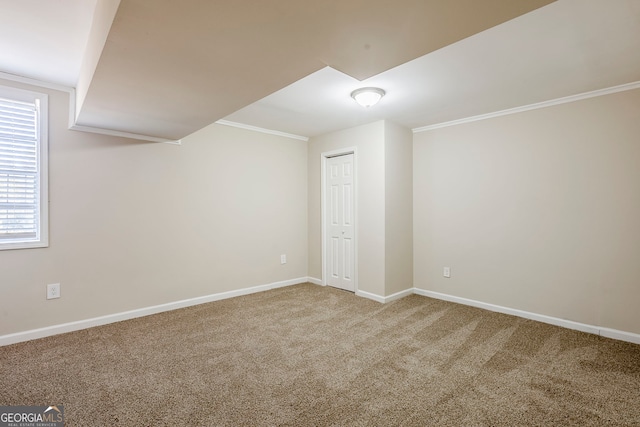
x=321, y=213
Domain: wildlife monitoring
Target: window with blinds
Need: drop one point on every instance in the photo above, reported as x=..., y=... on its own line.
x=22, y=182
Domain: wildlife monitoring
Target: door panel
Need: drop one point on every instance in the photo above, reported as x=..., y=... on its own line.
x=348, y=260
x=335, y=206
x=339, y=211
x=347, y=201
x=334, y=257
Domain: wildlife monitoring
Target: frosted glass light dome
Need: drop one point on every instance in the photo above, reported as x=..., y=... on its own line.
x=367, y=96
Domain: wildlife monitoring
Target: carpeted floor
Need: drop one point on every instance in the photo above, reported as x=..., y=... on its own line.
x=308, y=355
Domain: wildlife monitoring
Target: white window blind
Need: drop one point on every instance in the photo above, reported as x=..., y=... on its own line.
x=20, y=172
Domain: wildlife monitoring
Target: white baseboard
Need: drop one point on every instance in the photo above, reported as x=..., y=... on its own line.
x=620, y=335
x=117, y=317
x=140, y=312
x=315, y=281
x=371, y=296
x=398, y=295
x=597, y=330
x=386, y=299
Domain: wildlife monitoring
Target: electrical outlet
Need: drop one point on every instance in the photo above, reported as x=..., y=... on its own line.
x=283, y=259
x=446, y=272
x=53, y=291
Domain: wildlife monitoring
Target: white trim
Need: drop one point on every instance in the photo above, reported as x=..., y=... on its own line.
x=545, y=104
x=370, y=296
x=323, y=202
x=121, y=134
x=597, y=330
x=132, y=314
x=620, y=335
x=262, y=130
x=315, y=281
x=386, y=299
x=41, y=103
x=399, y=295
x=34, y=82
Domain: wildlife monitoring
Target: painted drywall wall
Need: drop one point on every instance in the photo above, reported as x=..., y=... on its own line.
x=398, y=208
x=536, y=211
x=136, y=224
x=370, y=163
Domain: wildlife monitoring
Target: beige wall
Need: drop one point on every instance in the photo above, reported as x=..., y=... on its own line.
x=369, y=140
x=398, y=208
x=138, y=224
x=538, y=211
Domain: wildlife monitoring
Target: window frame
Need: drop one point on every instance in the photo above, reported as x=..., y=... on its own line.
x=41, y=100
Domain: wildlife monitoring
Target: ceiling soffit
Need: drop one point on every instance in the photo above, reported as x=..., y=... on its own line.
x=170, y=68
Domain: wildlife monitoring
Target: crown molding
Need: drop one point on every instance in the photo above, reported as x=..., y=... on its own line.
x=120, y=134
x=544, y=104
x=35, y=82
x=262, y=130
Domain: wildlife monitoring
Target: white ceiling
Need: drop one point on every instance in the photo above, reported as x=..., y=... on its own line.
x=564, y=48
x=44, y=39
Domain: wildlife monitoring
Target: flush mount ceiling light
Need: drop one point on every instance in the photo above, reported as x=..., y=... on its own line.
x=367, y=96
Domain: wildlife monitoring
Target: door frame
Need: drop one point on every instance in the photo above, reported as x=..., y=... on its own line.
x=323, y=203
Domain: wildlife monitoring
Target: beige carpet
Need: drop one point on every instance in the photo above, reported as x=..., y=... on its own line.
x=308, y=355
